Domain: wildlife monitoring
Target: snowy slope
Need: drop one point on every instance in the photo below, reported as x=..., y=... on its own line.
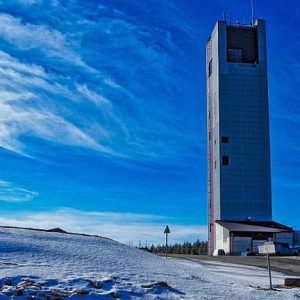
x=57, y=265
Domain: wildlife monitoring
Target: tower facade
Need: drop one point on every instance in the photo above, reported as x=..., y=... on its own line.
x=239, y=177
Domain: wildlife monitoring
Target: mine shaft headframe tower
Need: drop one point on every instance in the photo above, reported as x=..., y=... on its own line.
x=239, y=177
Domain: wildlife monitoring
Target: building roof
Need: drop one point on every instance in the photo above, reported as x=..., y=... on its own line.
x=253, y=226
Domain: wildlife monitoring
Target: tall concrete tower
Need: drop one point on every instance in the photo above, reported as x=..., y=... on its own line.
x=239, y=180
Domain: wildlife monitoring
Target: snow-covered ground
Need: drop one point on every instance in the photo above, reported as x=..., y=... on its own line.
x=42, y=265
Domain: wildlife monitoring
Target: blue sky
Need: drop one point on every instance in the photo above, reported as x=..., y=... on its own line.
x=103, y=114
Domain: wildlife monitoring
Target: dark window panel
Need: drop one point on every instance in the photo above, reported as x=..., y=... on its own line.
x=225, y=160
x=225, y=139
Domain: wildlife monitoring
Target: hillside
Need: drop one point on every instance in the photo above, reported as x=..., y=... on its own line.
x=50, y=265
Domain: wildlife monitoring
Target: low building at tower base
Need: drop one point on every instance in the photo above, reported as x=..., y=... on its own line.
x=235, y=237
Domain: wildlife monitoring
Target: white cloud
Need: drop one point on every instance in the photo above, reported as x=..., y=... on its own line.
x=28, y=36
x=11, y=193
x=26, y=109
x=49, y=91
x=6, y=61
x=123, y=227
x=29, y=106
x=93, y=97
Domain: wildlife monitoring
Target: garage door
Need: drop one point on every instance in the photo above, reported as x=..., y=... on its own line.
x=241, y=244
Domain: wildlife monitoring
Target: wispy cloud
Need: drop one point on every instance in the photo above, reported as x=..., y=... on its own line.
x=123, y=227
x=10, y=193
x=28, y=36
x=26, y=108
x=64, y=85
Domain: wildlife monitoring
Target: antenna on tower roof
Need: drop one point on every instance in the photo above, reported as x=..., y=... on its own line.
x=224, y=16
x=252, y=12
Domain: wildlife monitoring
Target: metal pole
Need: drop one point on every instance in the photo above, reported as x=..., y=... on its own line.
x=269, y=268
x=166, y=245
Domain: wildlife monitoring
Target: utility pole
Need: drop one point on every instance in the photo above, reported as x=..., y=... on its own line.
x=167, y=231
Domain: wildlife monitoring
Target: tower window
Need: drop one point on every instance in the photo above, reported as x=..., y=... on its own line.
x=225, y=139
x=235, y=55
x=225, y=160
x=210, y=68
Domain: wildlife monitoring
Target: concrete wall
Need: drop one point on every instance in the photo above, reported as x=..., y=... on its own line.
x=214, y=209
x=222, y=238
